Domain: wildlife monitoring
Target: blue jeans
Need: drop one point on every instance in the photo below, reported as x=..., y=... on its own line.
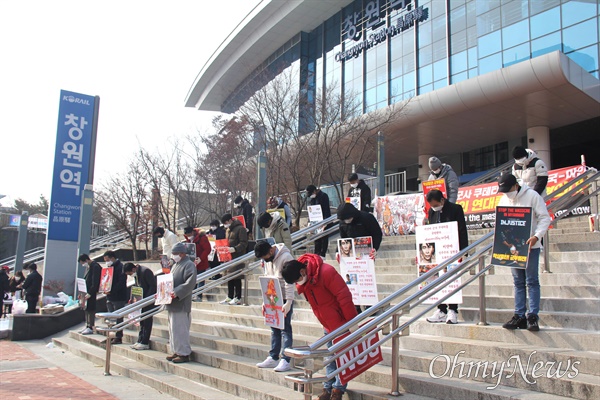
x=333, y=383
x=528, y=279
x=199, y=285
x=288, y=337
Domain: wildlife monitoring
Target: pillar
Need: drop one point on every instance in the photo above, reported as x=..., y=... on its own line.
x=538, y=139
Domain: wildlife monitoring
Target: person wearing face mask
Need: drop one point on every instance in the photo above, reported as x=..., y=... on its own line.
x=330, y=299
x=355, y=223
x=238, y=242
x=200, y=240
x=318, y=197
x=440, y=211
x=243, y=207
x=117, y=297
x=274, y=257
x=277, y=203
x=15, y=288
x=32, y=287
x=274, y=226
x=526, y=279
x=180, y=309
x=529, y=169
x=146, y=281
x=93, y=270
x=167, y=240
x=358, y=188
x=444, y=171
x=216, y=232
x=4, y=286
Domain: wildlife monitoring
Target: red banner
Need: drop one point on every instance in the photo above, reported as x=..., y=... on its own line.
x=361, y=365
x=428, y=186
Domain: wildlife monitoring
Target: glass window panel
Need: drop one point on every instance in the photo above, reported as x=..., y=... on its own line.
x=489, y=44
x=426, y=88
x=537, y=6
x=577, y=11
x=371, y=79
x=546, y=44
x=463, y=76
x=396, y=88
x=545, y=23
x=426, y=56
x=370, y=97
x=440, y=70
x=490, y=63
x=515, y=34
x=371, y=59
x=382, y=93
x=396, y=68
x=426, y=74
x=471, y=14
x=408, y=62
x=409, y=82
x=458, y=62
x=358, y=67
x=440, y=84
x=458, y=19
x=436, y=8
x=425, y=34
x=381, y=50
x=439, y=50
x=458, y=42
x=472, y=36
x=439, y=29
x=382, y=74
x=516, y=54
x=486, y=5
x=473, y=72
x=488, y=22
x=514, y=11
x=396, y=47
x=408, y=40
x=456, y=3
x=472, y=57
x=580, y=35
x=587, y=58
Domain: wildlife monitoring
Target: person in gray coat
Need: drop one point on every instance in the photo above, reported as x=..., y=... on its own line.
x=445, y=171
x=180, y=309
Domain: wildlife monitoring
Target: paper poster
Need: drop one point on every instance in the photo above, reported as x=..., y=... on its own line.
x=222, y=248
x=399, y=215
x=211, y=255
x=363, y=246
x=315, y=215
x=106, y=278
x=273, y=301
x=164, y=289
x=513, y=229
x=137, y=294
x=280, y=211
x=435, y=244
x=358, y=272
x=355, y=201
x=165, y=264
x=190, y=249
x=241, y=219
x=81, y=286
x=372, y=358
x=435, y=184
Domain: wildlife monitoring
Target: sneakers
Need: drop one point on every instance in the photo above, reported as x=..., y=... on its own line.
x=336, y=394
x=226, y=301
x=140, y=346
x=532, y=323
x=172, y=357
x=181, y=359
x=325, y=395
x=234, y=302
x=282, y=366
x=268, y=363
x=197, y=300
x=87, y=331
x=516, y=322
x=452, y=317
x=438, y=316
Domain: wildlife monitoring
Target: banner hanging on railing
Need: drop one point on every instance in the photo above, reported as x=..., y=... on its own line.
x=374, y=357
x=399, y=215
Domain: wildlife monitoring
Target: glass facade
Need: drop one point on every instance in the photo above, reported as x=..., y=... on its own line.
x=384, y=51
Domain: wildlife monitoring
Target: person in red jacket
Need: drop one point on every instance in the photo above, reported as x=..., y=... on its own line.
x=330, y=299
x=199, y=238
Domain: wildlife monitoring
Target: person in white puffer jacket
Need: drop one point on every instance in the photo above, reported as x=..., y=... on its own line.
x=274, y=257
x=526, y=279
x=530, y=170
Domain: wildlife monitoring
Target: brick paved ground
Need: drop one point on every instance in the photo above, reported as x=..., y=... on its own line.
x=11, y=351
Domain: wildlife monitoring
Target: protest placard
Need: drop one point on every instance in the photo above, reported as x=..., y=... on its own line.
x=513, y=229
x=273, y=301
x=164, y=289
x=222, y=248
x=106, y=278
x=358, y=272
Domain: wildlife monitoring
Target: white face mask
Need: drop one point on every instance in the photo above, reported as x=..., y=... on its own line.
x=84, y=265
x=438, y=208
x=238, y=205
x=303, y=280
x=354, y=185
x=437, y=171
x=213, y=228
x=226, y=226
x=348, y=220
x=177, y=258
x=312, y=196
x=521, y=161
x=109, y=263
x=511, y=195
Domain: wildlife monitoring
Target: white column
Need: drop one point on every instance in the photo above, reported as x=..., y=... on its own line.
x=424, y=168
x=538, y=139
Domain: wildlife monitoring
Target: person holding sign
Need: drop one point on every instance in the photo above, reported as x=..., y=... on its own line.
x=274, y=257
x=358, y=188
x=330, y=299
x=317, y=197
x=442, y=210
x=117, y=297
x=444, y=171
x=355, y=223
x=277, y=203
x=93, y=270
x=237, y=237
x=274, y=226
x=146, y=281
x=180, y=308
x=244, y=208
x=516, y=195
x=167, y=239
x=198, y=237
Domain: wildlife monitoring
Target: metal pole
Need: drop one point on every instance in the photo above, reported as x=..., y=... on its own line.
x=595, y=210
x=262, y=190
x=482, y=312
x=547, y=253
x=395, y=355
x=85, y=223
x=21, y=240
x=107, y=360
x=245, y=293
x=380, y=164
x=308, y=389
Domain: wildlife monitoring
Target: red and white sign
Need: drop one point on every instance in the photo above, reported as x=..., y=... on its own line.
x=361, y=365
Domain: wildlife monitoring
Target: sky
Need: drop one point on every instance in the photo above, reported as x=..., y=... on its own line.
x=140, y=57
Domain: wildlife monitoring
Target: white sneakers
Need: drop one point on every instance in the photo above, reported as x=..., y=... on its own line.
x=452, y=317
x=268, y=363
x=235, y=302
x=438, y=316
x=139, y=346
x=226, y=301
x=86, y=331
x=281, y=366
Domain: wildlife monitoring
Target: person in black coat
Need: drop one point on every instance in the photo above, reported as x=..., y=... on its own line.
x=244, y=208
x=117, y=297
x=317, y=197
x=4, y=287
x=355, y=223
x=93, y=270
x=217, y=232
x=358, y=188
x=144, y=278
x=32, y=287
x=441, y=210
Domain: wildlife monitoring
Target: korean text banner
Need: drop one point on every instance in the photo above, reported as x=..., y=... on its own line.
x=71, y=164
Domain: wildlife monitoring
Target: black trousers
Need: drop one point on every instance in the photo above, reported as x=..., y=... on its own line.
x=145, y=328
x=322, y=244
x=32, y=300
x=234, y=288
x=444, y=307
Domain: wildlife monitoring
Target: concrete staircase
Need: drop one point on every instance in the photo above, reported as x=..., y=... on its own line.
x=463, y=361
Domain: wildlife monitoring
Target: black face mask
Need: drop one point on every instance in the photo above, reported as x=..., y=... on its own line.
x=270, y=259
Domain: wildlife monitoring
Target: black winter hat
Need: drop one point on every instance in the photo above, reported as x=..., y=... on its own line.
x=519, y=152
x=346, y=211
